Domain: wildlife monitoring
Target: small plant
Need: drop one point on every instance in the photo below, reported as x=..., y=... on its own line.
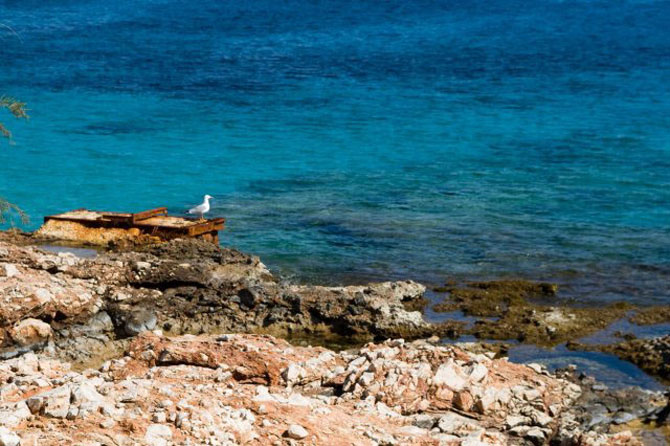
x=6, y=208
x=18, y=110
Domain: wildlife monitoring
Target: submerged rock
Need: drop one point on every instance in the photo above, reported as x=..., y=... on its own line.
x=517, y=309
x=651, y=315
x=651, y=355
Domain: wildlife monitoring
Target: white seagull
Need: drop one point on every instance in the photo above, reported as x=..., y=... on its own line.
x=202, y=208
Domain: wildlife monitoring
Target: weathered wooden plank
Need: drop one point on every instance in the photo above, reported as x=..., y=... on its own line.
x=72, y=215
x=118, y=217
x=206, y=226
x=144, y=215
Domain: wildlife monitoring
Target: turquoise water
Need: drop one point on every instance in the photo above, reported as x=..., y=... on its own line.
x=347, y=141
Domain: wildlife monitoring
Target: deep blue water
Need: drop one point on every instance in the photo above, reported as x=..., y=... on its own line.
x=353, y=140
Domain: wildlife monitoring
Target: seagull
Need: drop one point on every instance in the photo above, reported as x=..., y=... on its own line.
x=202, y=208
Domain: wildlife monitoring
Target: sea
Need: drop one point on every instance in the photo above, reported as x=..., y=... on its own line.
x=348, y=141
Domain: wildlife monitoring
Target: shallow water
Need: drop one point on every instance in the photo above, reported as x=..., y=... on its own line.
x=606, y=368
x=84, y=253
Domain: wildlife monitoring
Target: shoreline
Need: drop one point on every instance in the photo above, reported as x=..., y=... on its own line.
x=88, y=311
x=508, y=312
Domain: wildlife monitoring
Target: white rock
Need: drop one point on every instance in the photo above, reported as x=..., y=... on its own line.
x=449, y=374
x=293, y=373
x=321, y=411
x=380, y=437
x=504, y=396
x=412, y=431
x=540, y=418
x=453, y=423
x=515, y=420
x=356, y=363
x=386, y=411
x=30, y=331
x=158, y=434
x=366, y=379
x=474, y=441
x=143, y=265
x=296, y=399
x=109, y=410
x=180, y=419
x=536, y=435
x=14, y=414
x=478, y=372
x=8, y=438
x=297, y=432
x=446, y=439
x=87, y=398
x=107, y=424
x=56, y=402
x=11, y=270
x=43, y=295
x=487, y=401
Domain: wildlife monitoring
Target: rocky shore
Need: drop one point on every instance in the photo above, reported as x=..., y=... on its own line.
x=181, y=344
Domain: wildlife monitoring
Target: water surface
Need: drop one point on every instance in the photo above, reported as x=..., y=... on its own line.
x=347, y=141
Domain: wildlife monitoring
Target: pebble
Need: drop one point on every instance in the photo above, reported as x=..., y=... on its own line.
x=297, y=432
x=107, y=424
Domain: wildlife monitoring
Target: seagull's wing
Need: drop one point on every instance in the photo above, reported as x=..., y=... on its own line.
x=197, y=209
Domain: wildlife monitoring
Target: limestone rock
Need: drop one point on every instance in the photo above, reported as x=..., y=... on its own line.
x=448, y=374
x=158, y=434
x=56, y=402
x=8, y=438
x=30, y=331
x=297, y=432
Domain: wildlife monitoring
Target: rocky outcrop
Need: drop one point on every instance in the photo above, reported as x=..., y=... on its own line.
x=250, y=389
x=139, y=347
x=187, y=286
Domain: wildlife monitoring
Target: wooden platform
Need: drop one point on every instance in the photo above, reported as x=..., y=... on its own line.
x=154, y=222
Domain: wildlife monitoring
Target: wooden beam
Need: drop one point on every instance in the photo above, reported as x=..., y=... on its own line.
x=144, y=215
